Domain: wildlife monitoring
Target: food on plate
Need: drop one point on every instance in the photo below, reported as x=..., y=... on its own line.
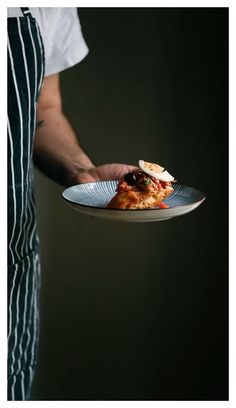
x=145, y=187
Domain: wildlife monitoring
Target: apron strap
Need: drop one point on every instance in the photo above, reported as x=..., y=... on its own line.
x=26, y=12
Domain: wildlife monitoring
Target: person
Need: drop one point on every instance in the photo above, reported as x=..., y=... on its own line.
x=42, y=42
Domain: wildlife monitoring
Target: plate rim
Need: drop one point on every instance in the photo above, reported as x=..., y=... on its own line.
x=132, y=209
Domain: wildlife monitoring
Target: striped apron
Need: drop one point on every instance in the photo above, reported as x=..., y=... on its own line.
x=25, y=76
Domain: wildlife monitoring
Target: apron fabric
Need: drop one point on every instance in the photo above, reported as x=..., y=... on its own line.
x=25, y=76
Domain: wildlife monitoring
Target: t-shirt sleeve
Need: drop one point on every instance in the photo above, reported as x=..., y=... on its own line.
x=64, y=45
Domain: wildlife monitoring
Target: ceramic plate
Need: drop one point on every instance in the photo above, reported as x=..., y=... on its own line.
x=92, y=199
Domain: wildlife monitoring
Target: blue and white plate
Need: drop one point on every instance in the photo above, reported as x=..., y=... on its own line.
x=92, y=199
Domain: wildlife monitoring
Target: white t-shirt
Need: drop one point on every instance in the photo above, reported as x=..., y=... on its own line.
x=63, y=40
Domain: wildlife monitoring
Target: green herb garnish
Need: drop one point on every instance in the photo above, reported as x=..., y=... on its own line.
x=147, y=182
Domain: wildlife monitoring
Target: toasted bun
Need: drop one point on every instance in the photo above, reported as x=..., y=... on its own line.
x=138, y=199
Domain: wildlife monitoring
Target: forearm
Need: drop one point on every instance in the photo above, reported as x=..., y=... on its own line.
x=57, y=152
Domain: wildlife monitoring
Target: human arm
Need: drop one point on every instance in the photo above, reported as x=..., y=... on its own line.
x=57, y=152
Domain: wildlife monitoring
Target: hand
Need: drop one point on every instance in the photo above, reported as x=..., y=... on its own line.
x=113, y=171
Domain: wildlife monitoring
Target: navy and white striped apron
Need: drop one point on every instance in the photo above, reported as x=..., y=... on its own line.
x=25, y=76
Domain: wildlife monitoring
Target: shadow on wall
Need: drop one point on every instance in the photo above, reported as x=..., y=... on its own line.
x=139, y=311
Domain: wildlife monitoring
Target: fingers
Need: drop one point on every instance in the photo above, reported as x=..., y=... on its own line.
x=111, y=171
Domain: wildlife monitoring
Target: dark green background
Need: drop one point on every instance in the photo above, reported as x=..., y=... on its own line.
x=140, y=311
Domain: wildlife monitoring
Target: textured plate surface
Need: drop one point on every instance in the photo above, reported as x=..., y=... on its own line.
x=92, y=199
